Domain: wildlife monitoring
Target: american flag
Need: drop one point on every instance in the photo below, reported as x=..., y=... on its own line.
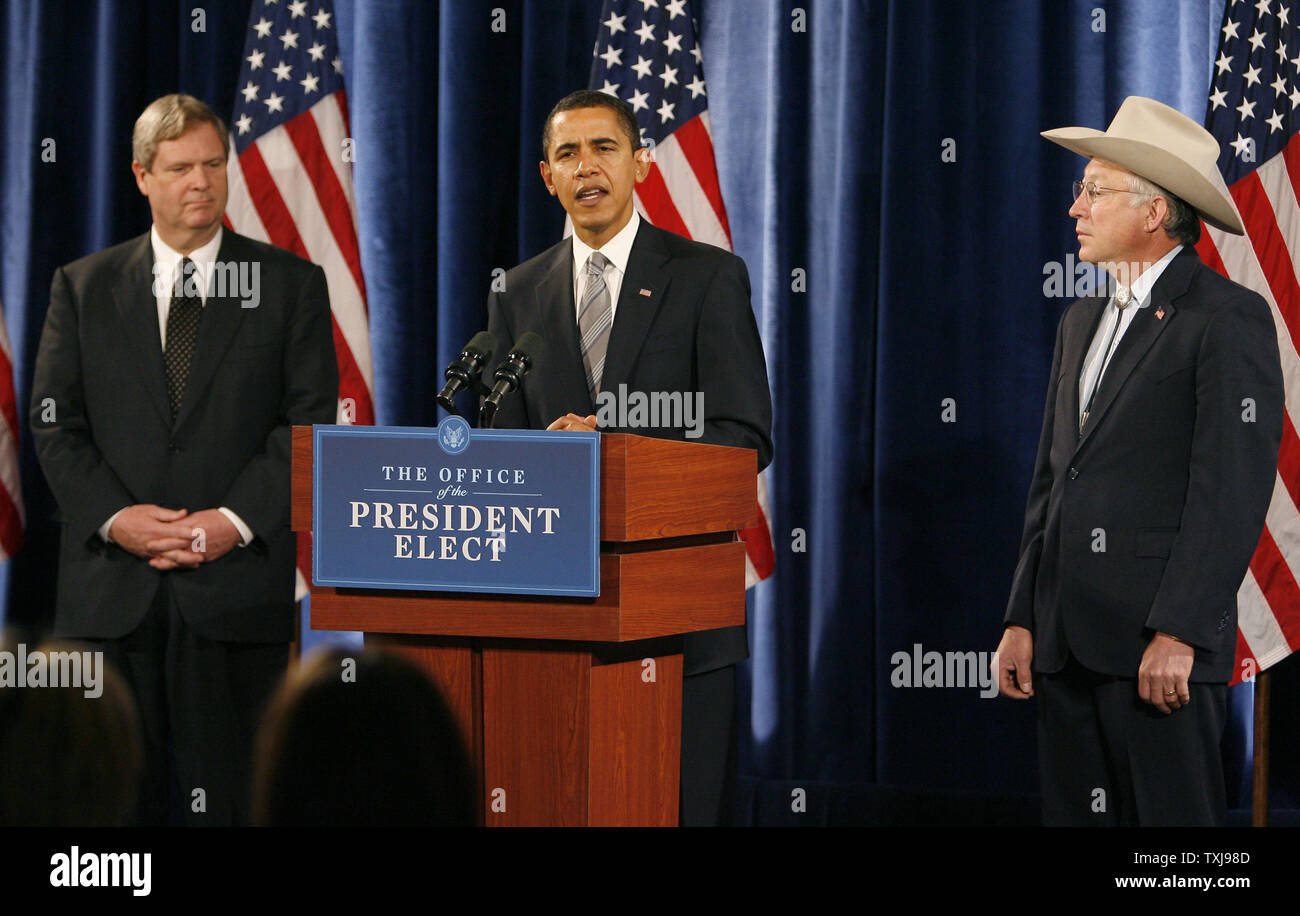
x=291, y=176
x=11, y=491
x=647, y=54
x=1254, y=113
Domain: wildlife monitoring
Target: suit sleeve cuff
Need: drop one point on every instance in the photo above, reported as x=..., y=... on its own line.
x=245, y=533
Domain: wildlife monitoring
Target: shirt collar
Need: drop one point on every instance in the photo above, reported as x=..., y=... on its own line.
x=1142, y=286
x=618, y=249
x=168, y=256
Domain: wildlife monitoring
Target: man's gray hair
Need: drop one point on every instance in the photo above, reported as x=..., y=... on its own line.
x=167, y=118
x=1182, y=224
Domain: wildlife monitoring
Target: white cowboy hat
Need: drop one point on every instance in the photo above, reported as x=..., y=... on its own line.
x=1164, y=146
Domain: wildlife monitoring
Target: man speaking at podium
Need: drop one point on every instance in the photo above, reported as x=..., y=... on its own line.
x=169, y=372
x=626, y=307
x=1157, y=458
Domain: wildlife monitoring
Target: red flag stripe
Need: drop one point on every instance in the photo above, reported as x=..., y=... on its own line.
x=329, y=193
x=270, y=206
x=341, y=98
x=659, y=204
x=694, y=139
x=1270, y=248
x=283, y=232
x=8, y=399
x=758, y=544
x=1209, y=252
x=11, y=524
x=351, y=382
x=1278, y=584
x=1242, y=656
x=1288, y=459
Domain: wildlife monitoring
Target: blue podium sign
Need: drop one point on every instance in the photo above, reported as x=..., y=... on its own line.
x=456, y=509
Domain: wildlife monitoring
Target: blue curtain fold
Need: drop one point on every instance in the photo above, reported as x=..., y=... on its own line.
x=888, y=283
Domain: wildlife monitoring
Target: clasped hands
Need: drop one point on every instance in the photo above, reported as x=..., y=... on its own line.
x=1162, y=674
x=173, y=538
x=571, y=422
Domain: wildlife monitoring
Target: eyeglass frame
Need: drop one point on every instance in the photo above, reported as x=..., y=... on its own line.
x=1079, y=185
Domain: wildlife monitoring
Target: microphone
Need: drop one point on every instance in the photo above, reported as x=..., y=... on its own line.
x=510, y=374
x=465, y=369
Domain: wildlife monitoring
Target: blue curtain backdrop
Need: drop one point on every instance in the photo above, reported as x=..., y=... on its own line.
x=924, y=282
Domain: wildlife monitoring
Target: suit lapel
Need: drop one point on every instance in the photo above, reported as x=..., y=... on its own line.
x=1094, y=309
x=221, y=319
x=1145, y=329
x=636, y=309
x=137, y=308
x=568, y=379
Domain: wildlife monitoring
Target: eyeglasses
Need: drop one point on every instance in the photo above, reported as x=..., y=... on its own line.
x=1078, y=186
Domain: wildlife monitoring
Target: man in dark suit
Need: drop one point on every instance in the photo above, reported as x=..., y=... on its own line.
x=1155, y=466
x=170, y=370
x=622, y=303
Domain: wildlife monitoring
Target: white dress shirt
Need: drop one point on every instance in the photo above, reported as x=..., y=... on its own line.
x=1094, y=364
x=166, y=265
x=617, y=251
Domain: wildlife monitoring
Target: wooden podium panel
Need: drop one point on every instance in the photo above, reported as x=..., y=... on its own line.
x=571, y=707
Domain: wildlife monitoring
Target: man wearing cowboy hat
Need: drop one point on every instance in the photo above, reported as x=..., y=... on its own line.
x=1155, y=466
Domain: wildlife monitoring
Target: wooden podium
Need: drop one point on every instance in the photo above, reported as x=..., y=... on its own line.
x=571, y=707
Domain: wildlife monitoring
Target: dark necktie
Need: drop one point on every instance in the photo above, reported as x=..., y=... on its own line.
x=182, y=333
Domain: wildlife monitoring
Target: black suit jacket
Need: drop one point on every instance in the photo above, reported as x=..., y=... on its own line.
x=1147, y=521
x=695, y=331
x=109, y=441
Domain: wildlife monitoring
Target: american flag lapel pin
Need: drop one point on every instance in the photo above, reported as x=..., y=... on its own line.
x=645, y=292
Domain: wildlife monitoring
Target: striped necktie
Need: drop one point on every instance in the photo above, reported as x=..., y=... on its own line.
x=595, y=317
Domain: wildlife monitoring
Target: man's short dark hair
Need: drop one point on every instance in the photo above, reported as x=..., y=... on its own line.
x=1183, y=223
x=590, y=98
